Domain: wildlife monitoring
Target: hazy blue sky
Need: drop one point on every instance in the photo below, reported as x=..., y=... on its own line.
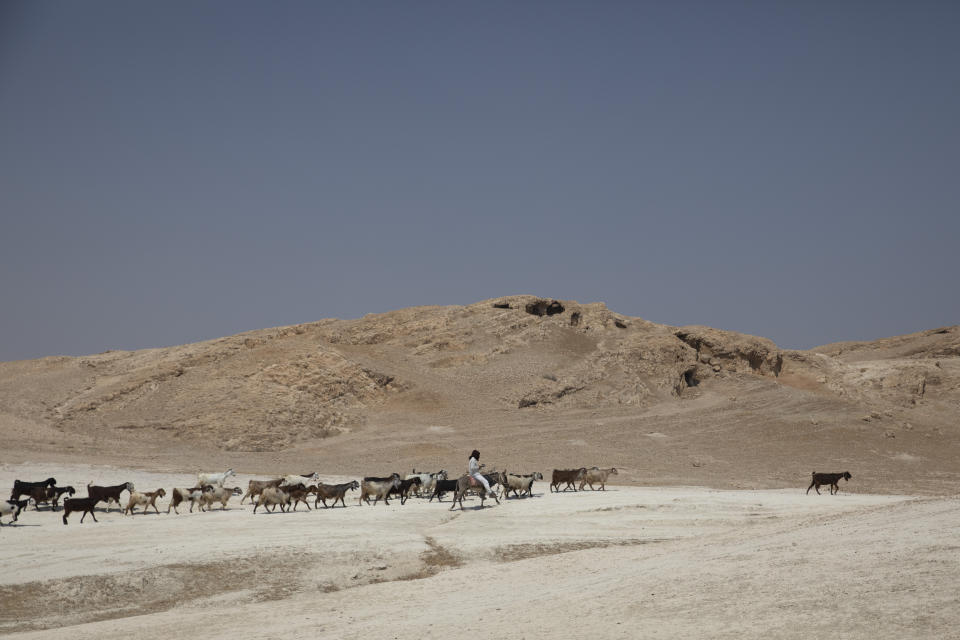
x=178, y=171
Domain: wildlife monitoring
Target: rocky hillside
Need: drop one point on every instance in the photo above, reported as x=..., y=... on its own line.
x=373, y=388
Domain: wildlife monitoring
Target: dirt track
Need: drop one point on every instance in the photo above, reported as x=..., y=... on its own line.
x=657, y=562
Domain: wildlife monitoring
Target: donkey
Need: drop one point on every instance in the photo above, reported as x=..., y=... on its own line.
x=468, y=484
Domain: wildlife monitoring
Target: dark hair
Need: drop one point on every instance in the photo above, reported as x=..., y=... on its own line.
x=475, y=454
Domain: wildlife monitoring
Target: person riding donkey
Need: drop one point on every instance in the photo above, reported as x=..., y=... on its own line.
x=473, y=470
x=476, y=482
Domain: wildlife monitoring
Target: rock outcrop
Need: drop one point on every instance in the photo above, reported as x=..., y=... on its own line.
x=266, y=390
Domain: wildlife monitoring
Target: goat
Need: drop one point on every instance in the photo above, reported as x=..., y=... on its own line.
x=211, y=494
x=521, y=483
x=441, y=487
x=40, y=494
x=58, y=493
x=495, y=478
x=255, y=487
x=85, y=505
x=12, y=507
x=333, y=491
x=570, y=476
x=146, y=499
x=378, y=487
x=9, y=508
x=49, y=495
x=21, y=487
x=108, y=494
x=596, y=474
x=404, y=488
x=832, y=479
x=305, y=480
x=217, y=479
x=427, y=481
x=191, y=495
x=273, y=496
x=298, y=493
x=428, y=486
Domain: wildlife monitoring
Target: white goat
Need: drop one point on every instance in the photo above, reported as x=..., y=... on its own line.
x=12, y=508
x=428, y=481
x=520, y=483
x=219, y=494
x=293, y=479
x=191, y=495
x=273, y=496
x=599, y=476
x=215, y=479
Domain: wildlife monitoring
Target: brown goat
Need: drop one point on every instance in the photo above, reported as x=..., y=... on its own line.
x=49, y=495
x=570, y=476
x=333, y=491
x=146, y=499
x=298, y=493
x=40, y=494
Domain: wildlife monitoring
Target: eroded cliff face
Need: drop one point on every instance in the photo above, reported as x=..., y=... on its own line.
x=899, y=372
x=266, y=390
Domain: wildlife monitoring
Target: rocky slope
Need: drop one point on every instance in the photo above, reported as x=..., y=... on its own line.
x=544, y=382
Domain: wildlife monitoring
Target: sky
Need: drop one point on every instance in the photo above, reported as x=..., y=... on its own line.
x=178, y=171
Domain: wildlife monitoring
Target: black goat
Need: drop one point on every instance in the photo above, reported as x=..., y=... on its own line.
x=21, y=487
x=443, y=486
x=85, y=505
x=820, y=479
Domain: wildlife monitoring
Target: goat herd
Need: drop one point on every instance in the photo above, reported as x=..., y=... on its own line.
x=287, y=492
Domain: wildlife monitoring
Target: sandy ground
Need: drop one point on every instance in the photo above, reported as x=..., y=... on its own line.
x=663, y=562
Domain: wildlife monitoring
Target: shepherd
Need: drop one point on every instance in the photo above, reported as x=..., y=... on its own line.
x=473, y=470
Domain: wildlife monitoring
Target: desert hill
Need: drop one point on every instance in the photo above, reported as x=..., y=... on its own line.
x=533, y=383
